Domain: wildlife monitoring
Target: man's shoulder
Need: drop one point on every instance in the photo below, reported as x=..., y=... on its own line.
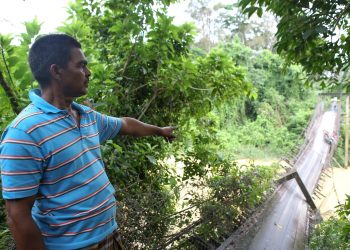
x=28, y=117
x=83, y=109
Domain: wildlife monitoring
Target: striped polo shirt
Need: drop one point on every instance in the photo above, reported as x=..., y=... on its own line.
x=44, y=153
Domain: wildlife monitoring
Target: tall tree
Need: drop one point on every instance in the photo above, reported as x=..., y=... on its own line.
x=217, y=22
x=312, y=33
x=202, y=14
x=257, y=33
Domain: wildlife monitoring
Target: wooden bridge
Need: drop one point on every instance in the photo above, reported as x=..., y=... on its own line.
x=284, y=222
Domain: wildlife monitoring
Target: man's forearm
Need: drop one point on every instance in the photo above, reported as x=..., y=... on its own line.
x=131, y=126
x=26, y=233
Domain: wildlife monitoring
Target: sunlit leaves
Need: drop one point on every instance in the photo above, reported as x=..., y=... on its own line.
x=5, y=41
x=14, y=62
x=32, y=29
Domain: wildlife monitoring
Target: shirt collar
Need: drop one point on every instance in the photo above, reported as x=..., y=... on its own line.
x=39, y=102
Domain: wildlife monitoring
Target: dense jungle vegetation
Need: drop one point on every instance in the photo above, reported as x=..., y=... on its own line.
x=315, y=34
x=231, y=97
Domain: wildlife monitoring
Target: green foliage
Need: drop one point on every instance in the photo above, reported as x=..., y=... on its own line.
x=6, y=240
x=312, y=33
x=231, y=193
x=5, y=110
x=15, y=69
x=333, y=233
x=344, y=214
x=143, y=66
x=328, y=235
x=339, y=153
x=274, y=121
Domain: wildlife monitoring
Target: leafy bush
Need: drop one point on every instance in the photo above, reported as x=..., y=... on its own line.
x=328, y=235
x=333, y=233
x=232, y=193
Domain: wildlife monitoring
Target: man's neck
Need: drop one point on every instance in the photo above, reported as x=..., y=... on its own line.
x=60, y=101
x=57, y=99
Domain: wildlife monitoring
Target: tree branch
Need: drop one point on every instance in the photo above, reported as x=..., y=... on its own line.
x=191, y=87
x=137, y=88
x=146, y=107
x=337, y=20
x=127, y=62
x=10, y=94
x=182, y=232
x=6, y=66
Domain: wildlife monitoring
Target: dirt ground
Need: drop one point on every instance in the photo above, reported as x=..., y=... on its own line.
x=260, y=162
x=334, y=186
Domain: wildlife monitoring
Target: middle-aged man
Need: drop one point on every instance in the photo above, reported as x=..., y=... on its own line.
x=57, y=193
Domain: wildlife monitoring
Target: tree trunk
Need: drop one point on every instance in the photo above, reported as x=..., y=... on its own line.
x=10, y=94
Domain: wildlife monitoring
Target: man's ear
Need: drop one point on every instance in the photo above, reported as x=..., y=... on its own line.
x=55, y=72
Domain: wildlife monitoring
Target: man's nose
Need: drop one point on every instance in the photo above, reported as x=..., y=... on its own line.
x=87, y=72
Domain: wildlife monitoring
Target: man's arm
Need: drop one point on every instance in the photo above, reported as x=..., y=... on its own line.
x=22, y=226
x=133, y=127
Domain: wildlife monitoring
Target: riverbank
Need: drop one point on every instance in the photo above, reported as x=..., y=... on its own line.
x=334, y=188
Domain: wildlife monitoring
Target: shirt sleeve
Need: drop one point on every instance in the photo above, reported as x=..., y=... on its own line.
x=108, y=126
x=21, y=162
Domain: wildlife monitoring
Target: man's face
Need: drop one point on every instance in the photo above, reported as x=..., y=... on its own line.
x=75, y=77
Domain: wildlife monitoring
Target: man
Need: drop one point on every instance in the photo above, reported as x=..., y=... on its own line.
x=53, y=180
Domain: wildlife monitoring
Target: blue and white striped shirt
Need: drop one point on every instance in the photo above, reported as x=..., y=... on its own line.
x=44, y=153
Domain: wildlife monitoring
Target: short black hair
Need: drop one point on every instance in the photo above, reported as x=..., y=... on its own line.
x=47, y=50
